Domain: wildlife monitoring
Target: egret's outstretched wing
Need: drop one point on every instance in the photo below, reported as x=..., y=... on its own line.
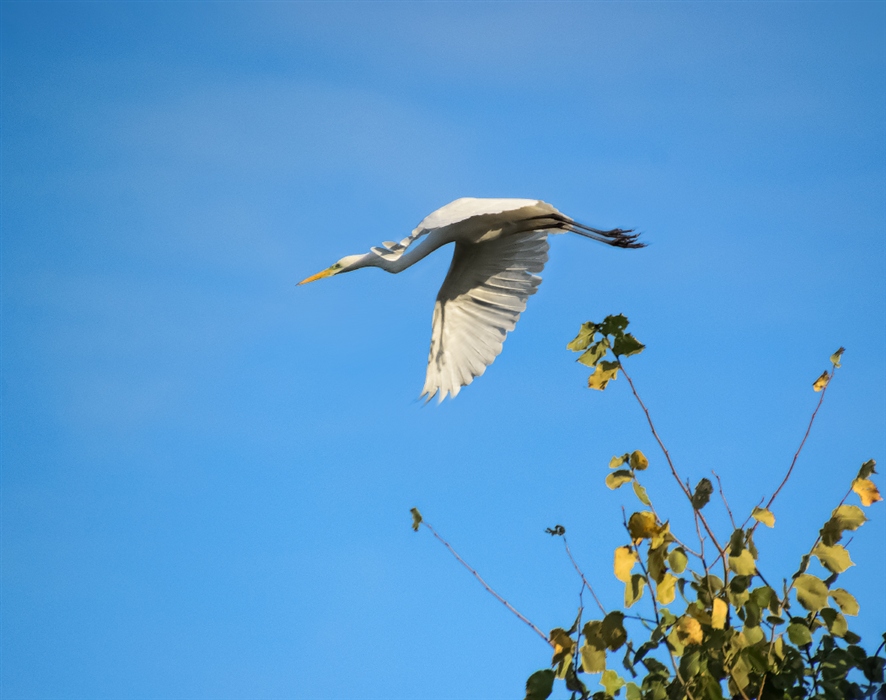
x=480, y=301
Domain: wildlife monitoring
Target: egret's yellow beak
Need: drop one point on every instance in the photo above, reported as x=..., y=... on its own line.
x=329, y=271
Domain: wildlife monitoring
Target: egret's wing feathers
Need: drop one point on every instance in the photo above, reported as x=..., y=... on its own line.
x=480, y=301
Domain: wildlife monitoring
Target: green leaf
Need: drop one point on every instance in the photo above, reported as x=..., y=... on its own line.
x=842, y=518
x=867, y=469
x=540, y=685
x=594, y=354
x=416, y=518
x=618, y=478
x=835, y=559
x=632, y=692
x=634, y=589
x=678, y=560
x=743, y=564
x=592, y=660
x=753, y=634
x=614, y=325
x=799, y=634
x=764, y=597
x=845, y=600
x=584, y=338
x=603, y=374
x=611, y=682
x=641, y=494
x=765, y=516
x=655, y=563
x=702, y=495
x=811, y=592
x=638, y=461
x=627, y=345
x=835, y=622
x=612, y=630
x=835, y=358
x=736, y=542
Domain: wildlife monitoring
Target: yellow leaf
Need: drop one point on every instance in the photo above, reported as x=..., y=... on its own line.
x=661, y=536
x=625, y=558
x=618, y=478
x=593, y=660
x=665, y=592
x=835, y=358
x=642, y=525
x=617, y=461
x=821, y=382
x=634, y=589
x=416, y=518
x=562, y=642
x=638, y=461
x=689, y=630
x=765, y=516
x=849, y=517
x=867, y=491
x=718, y=617
x=603, y=374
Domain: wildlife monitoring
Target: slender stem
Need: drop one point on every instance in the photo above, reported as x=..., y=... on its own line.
x=583, y=579
x=486, y=585
x=802, y=442
x=686, y=490
x=723, y=496
x=799, y=449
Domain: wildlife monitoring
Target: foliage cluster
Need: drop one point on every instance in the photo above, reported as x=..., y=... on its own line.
x=716, y=627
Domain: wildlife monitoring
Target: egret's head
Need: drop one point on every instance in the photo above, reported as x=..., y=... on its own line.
x=351, y=262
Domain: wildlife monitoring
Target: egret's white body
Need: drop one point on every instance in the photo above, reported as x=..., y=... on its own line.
x=499, y=245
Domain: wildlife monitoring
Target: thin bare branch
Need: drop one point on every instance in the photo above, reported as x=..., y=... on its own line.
x=486, y=585
x=583, y=579
x=723, y=496
x=686, y=490
x=803, y=441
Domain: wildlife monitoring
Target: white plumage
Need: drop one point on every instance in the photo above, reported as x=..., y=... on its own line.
x=499, y=246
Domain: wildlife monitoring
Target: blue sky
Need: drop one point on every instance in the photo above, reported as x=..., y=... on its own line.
x=207, y=472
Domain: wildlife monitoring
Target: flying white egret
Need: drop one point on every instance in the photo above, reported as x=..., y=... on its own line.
x=499, y=243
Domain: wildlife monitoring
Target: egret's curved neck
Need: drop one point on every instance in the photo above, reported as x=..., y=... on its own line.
x=411, y=256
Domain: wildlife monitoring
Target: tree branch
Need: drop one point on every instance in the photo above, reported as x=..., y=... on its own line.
x=486, y=585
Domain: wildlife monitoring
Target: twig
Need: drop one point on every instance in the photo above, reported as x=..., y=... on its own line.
x=799, y=449
x=723, y=496
x=686, y=490
x=486, y=585
x=583, y=579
